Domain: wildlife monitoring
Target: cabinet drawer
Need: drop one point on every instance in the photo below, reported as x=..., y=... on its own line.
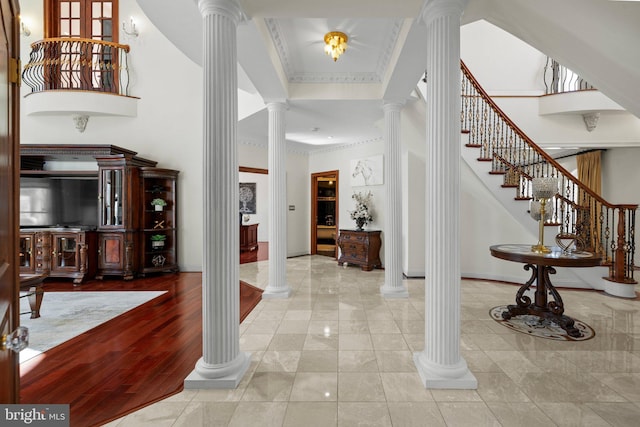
x=355, y=238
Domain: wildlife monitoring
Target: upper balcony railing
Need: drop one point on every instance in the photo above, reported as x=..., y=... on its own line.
x=77, y=64
x=560, y=79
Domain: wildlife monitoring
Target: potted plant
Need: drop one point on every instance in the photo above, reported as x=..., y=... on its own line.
x=158, y=204
x=157, y=241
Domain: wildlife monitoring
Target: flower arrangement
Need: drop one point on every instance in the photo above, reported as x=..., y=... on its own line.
x=362, y=213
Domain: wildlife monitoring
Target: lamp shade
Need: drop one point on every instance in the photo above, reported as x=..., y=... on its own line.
x=534, y=211
x=544, y=187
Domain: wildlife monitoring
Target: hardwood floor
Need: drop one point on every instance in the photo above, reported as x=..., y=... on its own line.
x=128, y=362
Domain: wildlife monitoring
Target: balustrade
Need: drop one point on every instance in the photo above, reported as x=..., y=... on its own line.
x=599, y=226
x=77, y=64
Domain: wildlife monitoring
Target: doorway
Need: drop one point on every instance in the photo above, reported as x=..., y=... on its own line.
x=324, y=213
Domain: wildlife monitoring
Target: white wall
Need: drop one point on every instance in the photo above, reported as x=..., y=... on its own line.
x=503, y=64
x=298, y=193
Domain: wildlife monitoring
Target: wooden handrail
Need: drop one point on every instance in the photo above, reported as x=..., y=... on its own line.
x=124, y=47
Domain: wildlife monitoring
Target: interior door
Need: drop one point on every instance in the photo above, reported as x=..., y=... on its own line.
x=9, y=190
x=324, y=213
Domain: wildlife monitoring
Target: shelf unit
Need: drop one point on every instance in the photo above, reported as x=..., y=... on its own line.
x=159, y=257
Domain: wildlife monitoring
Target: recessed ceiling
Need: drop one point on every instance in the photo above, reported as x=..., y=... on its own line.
x=300, y=47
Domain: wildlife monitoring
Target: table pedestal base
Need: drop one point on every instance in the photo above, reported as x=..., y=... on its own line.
x=541, y=306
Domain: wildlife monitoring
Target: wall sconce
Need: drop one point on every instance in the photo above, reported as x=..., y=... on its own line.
x=24, y=29
x=133, y=32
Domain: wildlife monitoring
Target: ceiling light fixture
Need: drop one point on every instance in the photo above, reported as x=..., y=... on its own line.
x=335, y=44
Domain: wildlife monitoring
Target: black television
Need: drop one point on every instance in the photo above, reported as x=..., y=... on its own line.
x=59, y=201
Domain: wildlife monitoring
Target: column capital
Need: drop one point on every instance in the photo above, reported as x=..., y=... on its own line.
x=280, y=105
x=433, y=9
x=392, y=105
x=229, y=8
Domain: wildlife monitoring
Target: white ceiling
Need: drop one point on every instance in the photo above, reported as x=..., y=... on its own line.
x=280, y=54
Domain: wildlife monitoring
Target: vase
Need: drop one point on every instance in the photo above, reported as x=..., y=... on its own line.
x=360, y=222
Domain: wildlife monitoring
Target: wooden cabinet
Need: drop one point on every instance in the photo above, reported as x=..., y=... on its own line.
x=131, y=238
x=159, y=240
x=116, y=254
x=248, y=237
x=58, y=252
x=360, y=248
x=119, y=214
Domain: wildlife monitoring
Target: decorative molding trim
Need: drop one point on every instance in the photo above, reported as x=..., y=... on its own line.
x=81, y=122
x=359, y=77
x=591, y=120
x=327, y=149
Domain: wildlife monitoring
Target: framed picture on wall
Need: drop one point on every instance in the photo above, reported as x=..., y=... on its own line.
x=367, y=171
x=247, y=197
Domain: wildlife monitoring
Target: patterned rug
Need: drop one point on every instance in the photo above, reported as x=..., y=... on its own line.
x=537, y=327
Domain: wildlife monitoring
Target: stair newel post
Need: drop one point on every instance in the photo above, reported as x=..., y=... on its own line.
x=619, y=258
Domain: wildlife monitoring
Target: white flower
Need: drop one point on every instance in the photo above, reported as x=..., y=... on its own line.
x=363, y=202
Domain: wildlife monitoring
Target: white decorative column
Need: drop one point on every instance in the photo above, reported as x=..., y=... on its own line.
x=440, y=364
x=393, y=286
x=222, y=364
x=277, y=286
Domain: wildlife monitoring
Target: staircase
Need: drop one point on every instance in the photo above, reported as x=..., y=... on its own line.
x=512, y=160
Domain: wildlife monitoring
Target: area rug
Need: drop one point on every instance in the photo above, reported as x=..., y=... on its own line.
x=64, y=315
x=534, y=326
x=250, y=296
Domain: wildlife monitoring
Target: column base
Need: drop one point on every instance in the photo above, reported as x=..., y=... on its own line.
x=230, y=375
x=272, y=292
x=394, y=291
x=434, y=376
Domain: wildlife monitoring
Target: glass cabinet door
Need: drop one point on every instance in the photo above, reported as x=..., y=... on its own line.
x=111, y=197
x=26, y=254
x=64, y=254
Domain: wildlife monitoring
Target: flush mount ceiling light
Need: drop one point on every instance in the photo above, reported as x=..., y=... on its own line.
x=335, y=44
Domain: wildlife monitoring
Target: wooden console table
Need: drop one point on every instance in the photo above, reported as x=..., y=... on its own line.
x=541, y=265
x=360, y=248
x=248, y=237
x=32, y=283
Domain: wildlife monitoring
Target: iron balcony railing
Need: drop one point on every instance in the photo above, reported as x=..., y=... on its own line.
x=77, y=64
x=597, y=225
x=560, y=79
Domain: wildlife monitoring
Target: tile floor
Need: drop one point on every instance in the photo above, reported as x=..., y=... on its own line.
x=337, y=353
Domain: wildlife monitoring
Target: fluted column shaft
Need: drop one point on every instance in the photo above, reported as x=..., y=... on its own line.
x=222, y=364
x=277, y=286
x=440, y=364
x=393, y=286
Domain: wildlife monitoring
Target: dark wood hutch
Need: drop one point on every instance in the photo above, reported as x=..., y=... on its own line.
x=119, y=240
